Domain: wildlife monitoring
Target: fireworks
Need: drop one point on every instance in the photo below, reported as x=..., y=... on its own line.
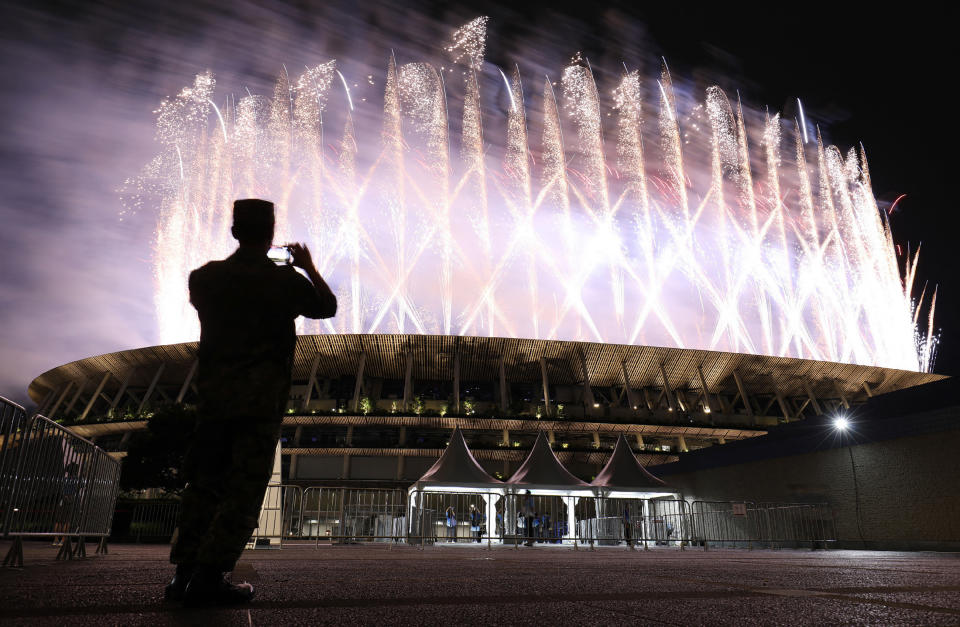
x=707, y=226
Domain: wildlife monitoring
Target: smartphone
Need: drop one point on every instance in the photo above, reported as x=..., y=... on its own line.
x=280, y=255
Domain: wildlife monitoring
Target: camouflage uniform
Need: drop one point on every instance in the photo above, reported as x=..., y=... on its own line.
x=247, y=306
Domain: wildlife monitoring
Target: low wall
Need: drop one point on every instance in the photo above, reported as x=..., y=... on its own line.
x=896, y=494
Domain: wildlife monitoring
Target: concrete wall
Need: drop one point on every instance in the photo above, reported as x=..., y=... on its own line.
x=906, y=494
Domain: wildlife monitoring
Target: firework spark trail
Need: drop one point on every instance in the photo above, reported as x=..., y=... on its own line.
x=476, y=175
x=685, y=246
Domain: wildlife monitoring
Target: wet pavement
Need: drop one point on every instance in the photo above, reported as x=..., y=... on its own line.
x=402, y=585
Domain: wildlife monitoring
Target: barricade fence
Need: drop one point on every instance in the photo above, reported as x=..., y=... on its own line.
x=311, y=516
x=154, y=520
x=341, y=515
x=13, y=425
x=62, y=487
x=723, y=523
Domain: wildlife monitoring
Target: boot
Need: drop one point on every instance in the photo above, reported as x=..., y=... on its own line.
x=209, y=587
x=177, y=585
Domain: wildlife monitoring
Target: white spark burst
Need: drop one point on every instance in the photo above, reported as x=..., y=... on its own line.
x=689, y=243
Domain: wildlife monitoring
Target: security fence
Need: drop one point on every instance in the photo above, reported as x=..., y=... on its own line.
x=280, y=516
x=724, y=523
x=311, y=516
x=353, y=515
x=61, y=486
x=154, y=520
x=13, y=424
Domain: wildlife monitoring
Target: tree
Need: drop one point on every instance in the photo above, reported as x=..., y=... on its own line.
x=155, y=456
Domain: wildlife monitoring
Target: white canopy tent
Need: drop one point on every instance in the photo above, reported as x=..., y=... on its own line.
x=625, y=477
x=457, y=471
x=543, y=475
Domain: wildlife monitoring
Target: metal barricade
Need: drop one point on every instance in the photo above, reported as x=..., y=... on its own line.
x=13, y=423
x=738, y=523
x=469, y=517
x=632, y=522
x=64, y=487
x=724, y=523
x=280, y=515
x=667, y=522
x=353, y=515
x=794, y=524
x=155, y=520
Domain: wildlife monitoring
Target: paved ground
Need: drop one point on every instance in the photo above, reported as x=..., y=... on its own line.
x=469, y=584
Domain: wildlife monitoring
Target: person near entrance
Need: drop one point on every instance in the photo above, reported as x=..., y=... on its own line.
x=247, y=305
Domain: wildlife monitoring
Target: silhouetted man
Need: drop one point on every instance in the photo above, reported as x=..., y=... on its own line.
x=247, y=306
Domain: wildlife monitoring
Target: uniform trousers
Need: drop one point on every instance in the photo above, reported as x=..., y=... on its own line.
x=227, y=468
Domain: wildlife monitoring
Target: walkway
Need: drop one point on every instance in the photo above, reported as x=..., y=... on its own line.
x=470, y=584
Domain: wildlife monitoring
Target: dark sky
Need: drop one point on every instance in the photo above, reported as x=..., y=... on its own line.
x=81, y=80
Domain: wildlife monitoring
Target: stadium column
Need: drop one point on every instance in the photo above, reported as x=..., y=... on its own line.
x=682, y=444
x=456, y=382
x=866, y=388
x=813, y=399
x=631, y=397
x=358, y=386
x=123, y=388
x=587, y=390
x=188, y=380
x=504, y=399
x=784, y=406
x=408, y=382
x=294, y=458
x=666, y=388
x=63, y=395
x=401, y=443
x=705, y=391
x=152, y=387
x=640, y=444
x=96, y=395
x=52, y=394
x=311, y=382
x=76, y=397
x=546, y=386
x=843, y=397
x=647, y=399
x=743, y=393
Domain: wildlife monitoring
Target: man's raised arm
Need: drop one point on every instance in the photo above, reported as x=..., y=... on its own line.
x=325, y=304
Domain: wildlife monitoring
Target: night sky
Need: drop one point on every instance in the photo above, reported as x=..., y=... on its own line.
x=81, y=81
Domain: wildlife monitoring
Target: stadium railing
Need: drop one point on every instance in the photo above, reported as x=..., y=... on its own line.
x=13, y=424
x=61, y=486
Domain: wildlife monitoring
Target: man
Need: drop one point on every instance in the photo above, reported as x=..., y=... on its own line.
x=247, y=306
x=529, y=511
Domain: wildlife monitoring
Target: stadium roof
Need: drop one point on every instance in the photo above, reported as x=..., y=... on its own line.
x=432, y=357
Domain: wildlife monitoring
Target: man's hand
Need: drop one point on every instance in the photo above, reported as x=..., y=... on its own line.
x=300, y=256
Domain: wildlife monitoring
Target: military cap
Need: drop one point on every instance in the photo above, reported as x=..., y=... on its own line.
x=253, y=212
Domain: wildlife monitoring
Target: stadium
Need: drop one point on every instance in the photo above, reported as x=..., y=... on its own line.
x=378, y=410
x=682, y=292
